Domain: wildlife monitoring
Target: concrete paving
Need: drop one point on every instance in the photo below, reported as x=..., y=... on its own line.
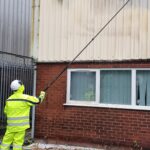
x=42, y=146
x=62, y=147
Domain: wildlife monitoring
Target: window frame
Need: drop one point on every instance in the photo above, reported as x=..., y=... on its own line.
x=97, y=103
x=69, y=84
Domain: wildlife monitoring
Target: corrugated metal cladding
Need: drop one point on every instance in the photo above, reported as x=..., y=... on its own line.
x=15, y=26
x=67, y=25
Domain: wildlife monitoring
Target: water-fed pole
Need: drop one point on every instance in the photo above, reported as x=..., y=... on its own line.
x=50, y=83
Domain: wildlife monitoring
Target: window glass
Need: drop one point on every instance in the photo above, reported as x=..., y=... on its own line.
x=83, y=86
x=143, y=87
x=115, y=86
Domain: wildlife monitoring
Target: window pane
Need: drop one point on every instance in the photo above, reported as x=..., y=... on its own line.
x=143, y=87
x=83, y=86
x=115, y=87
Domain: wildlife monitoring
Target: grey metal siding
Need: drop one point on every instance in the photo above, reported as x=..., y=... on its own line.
x=15, y=26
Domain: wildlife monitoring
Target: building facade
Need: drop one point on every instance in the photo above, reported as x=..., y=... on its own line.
x=103, y=97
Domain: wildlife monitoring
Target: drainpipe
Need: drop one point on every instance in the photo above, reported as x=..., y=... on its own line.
x=35, y=28
x=33, y=109
x=35, y=48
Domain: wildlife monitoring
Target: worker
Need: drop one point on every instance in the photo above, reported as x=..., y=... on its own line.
x=17, y=111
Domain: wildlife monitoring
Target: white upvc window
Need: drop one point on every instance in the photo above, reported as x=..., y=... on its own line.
x=116, y=88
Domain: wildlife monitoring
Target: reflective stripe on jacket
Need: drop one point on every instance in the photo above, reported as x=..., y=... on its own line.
x=17, y=110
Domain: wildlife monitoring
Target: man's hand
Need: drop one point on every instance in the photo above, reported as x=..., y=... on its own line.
x=42, y=95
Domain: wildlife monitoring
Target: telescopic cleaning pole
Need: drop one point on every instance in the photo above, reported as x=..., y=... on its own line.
x=50, y=83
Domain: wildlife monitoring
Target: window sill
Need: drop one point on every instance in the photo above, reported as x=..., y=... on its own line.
x=78, y=104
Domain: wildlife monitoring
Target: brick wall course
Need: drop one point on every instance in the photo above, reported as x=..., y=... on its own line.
x=87, y=124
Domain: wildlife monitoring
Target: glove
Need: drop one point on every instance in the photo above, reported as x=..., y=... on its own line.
x=42, y=95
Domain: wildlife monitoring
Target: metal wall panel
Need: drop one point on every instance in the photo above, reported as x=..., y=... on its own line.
x=15, y=26
x=67, y=25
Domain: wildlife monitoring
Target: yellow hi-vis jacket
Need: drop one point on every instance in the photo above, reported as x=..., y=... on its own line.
x=17, y=110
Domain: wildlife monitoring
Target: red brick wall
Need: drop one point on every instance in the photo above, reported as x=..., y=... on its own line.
x=84, y=124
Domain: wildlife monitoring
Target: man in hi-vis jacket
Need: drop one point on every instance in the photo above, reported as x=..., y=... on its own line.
x=17, y=110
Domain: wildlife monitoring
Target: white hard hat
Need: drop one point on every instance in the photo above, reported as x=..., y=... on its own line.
x=15, y=85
